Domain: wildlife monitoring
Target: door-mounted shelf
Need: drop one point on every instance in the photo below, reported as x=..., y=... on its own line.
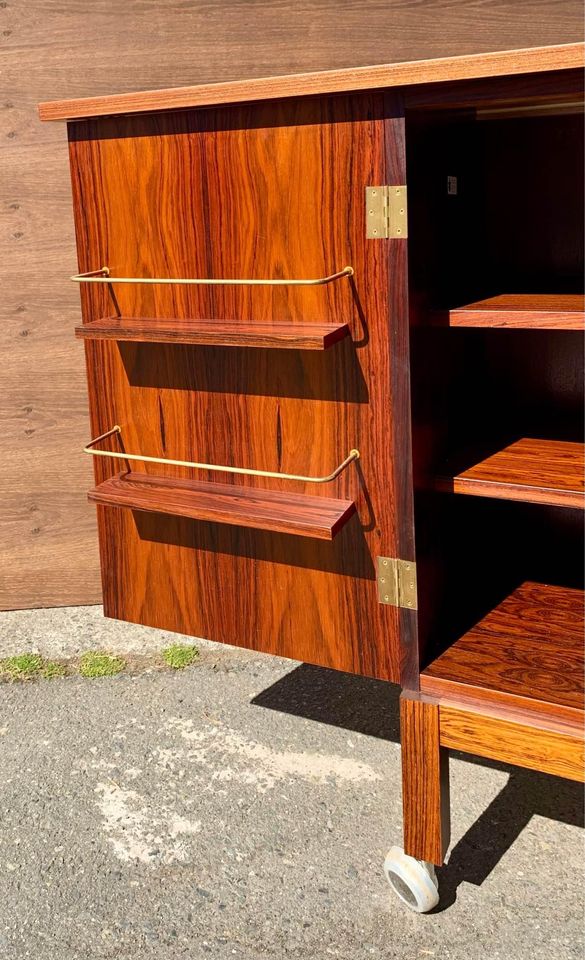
x=275, y=510
x=318, y=517
x=219, y=333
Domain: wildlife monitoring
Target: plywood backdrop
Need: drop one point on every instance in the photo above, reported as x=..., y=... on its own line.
x=71, y=48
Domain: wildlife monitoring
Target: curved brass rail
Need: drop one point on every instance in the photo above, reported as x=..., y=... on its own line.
x=353, y=455
x=103, y=276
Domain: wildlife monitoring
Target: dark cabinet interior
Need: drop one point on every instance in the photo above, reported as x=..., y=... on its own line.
x=496, y=281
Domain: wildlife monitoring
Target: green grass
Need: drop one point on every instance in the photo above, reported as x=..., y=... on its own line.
x=180, y=655
x=100, y=665
x=50, y=670
x=31, y=666
x=24, y=666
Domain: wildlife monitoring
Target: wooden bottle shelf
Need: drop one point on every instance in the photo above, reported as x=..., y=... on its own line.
x=535, y=471
x=527, y=652
x=521, y=310
x=318, y=517
x=219, y=333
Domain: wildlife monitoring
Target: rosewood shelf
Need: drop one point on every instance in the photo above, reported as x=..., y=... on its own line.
x=535, y=471
x=318, y=517
x=527, y=653
x=221, y=333
x=521, y=311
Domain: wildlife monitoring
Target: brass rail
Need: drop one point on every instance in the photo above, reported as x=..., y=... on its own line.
x=353, y=455
x=103, y=276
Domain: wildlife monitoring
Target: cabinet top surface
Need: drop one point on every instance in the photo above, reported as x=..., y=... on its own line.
x=493, y=64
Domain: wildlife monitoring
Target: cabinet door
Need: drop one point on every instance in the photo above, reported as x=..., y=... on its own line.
x=273, y=190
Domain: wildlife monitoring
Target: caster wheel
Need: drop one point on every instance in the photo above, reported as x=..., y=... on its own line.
x=414, y=881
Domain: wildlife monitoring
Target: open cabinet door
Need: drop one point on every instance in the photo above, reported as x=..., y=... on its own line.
x=273, y=190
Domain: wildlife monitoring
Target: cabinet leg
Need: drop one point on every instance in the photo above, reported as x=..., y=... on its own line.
x=425, y=781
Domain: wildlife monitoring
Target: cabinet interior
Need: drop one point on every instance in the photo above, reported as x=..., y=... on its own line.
x=495, y=208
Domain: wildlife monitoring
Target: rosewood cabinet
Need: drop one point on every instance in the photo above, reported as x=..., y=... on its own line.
x=332, y=326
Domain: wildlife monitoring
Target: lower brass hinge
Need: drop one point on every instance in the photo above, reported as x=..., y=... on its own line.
x=397, y=582
x=386, y=213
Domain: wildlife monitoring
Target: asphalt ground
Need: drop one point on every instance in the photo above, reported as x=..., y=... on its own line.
x=242, y=808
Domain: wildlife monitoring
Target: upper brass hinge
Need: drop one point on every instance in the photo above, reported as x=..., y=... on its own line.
x=397, y=582
x=386, y=213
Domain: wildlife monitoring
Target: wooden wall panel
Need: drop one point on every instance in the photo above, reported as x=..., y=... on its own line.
x=68, y=48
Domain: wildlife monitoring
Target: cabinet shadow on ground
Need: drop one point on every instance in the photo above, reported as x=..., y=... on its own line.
x=371, y=707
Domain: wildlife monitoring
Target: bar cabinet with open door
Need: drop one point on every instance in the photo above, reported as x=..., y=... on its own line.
x=333, y=332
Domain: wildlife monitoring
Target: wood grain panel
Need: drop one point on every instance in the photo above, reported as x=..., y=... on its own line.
x=425, y=781
x=48, y=553
x=527, y=652
x=283, y=336
x=499, y=738
x=57, y=573
x=307, y=31
x=259, y=191
x=531, y=470
x=298, y=514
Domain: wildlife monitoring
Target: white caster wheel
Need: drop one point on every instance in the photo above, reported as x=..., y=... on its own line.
x=414, y=881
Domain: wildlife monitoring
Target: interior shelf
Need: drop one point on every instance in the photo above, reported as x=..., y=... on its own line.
x=318, y=517
x=527, y=652
x=221, y=333
x=535, y=471
x=542, y=311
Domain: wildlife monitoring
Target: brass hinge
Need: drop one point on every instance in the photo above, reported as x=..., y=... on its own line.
x=397, y=582
x=386, y=213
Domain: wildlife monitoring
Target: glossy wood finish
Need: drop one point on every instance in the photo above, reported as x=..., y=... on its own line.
x=527, y=652
x=297, y=336
x=299, y=514
x=534, y=471
x=521, y=310
x=493, y=64
x=262, y=190
x=425, y=780
x=504, y=739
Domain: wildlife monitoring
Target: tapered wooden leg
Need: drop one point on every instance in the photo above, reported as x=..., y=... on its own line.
x=425, y=780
